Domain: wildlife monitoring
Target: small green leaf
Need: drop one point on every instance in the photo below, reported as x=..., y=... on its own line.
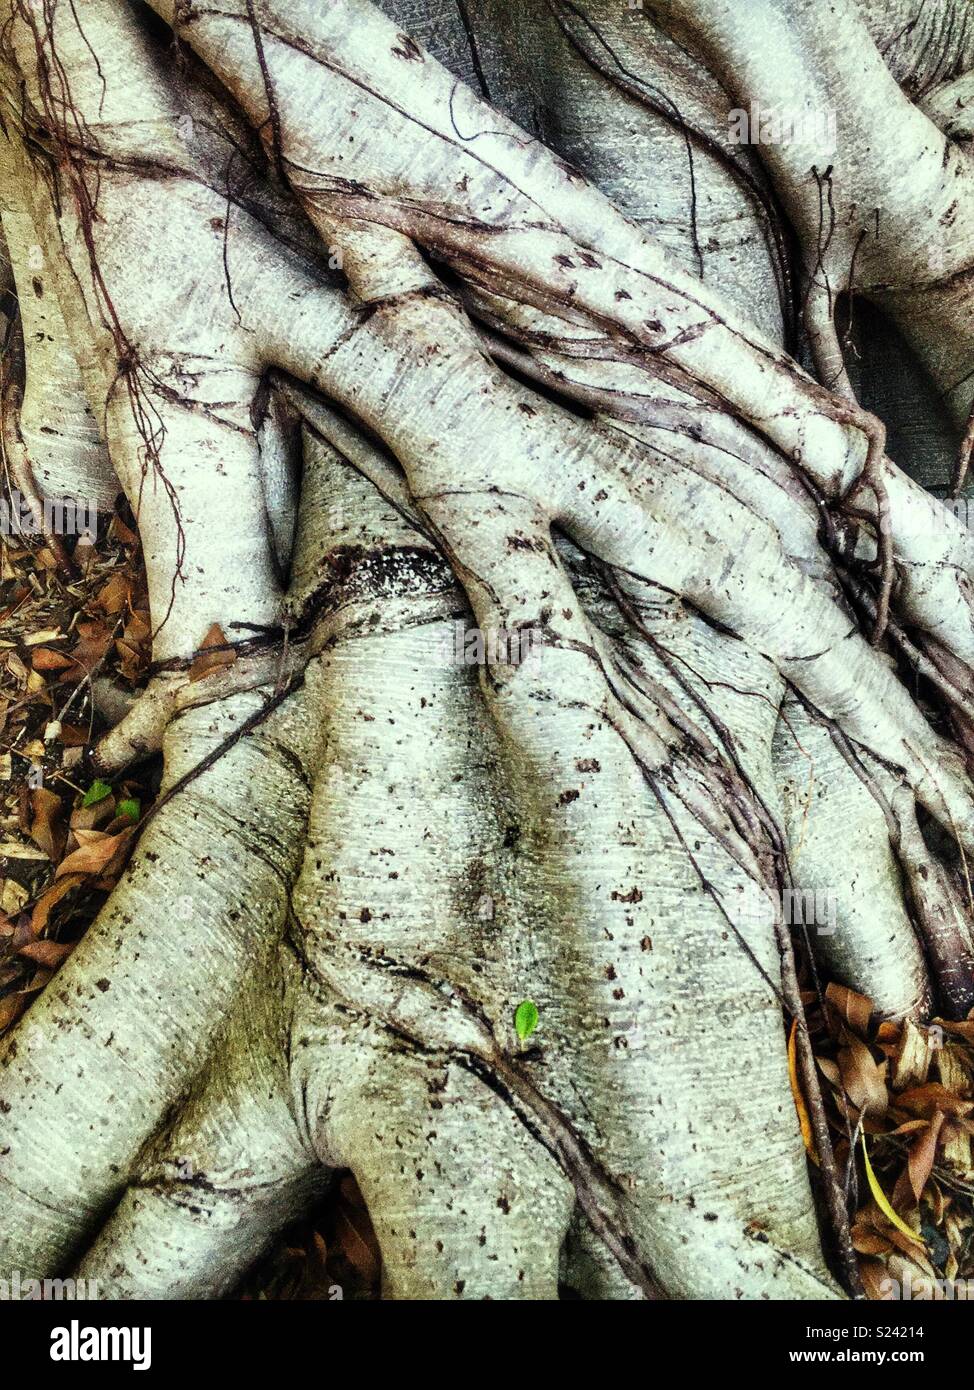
x=130, y=809
x=95, y=793
x=526, y=1019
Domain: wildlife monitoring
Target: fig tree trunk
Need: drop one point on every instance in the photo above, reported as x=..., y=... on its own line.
x=550, y=402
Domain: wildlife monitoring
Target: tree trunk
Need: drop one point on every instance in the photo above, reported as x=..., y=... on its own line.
x=526, y=434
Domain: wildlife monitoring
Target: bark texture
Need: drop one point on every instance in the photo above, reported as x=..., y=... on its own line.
x=393, y=319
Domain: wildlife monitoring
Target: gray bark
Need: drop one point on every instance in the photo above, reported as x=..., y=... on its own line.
x=557, y=389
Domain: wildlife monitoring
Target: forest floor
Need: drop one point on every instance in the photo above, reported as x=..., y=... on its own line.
x=900, y=1098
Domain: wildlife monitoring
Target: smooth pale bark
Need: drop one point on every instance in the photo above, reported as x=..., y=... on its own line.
x=582, y=827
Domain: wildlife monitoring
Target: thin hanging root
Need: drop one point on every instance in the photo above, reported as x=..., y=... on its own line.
x=834, y=1189
x=823, y=341
x=944, y=918
x=871, y=476
x=589, y=258
x=957, y=698
x=963, y=458
x=791, y=1000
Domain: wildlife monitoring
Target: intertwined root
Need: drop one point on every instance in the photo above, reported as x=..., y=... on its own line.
x=378, y=1032
x=383, y=850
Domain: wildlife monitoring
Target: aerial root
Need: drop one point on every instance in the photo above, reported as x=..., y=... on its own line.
x=233, y=1168
x=963, y=458
x=823, y=341
x=871, y=477
x=944, y=909
x=16, y=463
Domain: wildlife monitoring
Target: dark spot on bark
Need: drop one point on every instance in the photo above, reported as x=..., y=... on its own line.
x=103, y=985
x=459, y=1287
x=610, y=972
x=365, y=915
x=710, y=1216
x=526, y=409
x=38, y=287
x=410, y=51
x=646, y=944
x=565, y=261
x=588, y=765
x=632, y=897
x=567, y=797
x=623, y=294
x=511, y=836
x=504, y=1205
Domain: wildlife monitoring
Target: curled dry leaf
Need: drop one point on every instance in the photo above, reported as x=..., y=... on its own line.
x=213, y=655
x=855, y=1010
x=47, y=953
x=47, y=828
x=94, y=639
x=922, y=1153
x=863, y=1078
x=49, y=899
x=927, y=1100
x=963, y=1030
x=48, y=661
x=95, y=853
x=114, y=595
x=11, y=1007
x=876, y=1280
